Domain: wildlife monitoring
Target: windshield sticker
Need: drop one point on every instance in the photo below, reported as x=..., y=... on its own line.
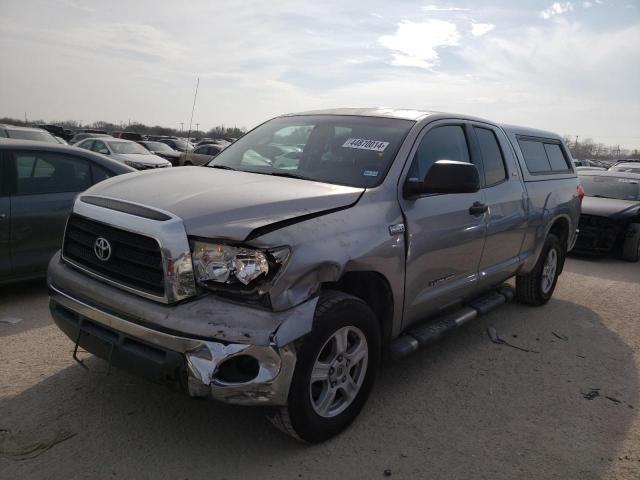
x=370, y=173
x=363, y=144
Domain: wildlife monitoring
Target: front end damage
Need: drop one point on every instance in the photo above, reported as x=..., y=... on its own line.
x=249, y=365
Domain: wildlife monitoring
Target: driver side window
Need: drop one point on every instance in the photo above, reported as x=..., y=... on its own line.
x=441, y=143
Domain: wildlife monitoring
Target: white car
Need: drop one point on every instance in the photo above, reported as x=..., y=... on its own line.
x=124, y=151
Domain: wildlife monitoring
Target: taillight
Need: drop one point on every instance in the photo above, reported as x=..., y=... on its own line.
x=580, y=192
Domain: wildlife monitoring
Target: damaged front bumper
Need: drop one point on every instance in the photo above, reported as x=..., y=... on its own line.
x=192, y=363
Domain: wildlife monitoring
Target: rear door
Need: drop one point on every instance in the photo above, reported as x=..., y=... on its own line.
x=445, y=238
x=505, y=196
x=45, y=185
x=5, y=222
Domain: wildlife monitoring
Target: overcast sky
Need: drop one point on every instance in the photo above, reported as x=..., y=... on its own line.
x=572, y=67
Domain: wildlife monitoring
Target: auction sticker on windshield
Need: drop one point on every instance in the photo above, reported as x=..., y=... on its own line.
x=363, y=144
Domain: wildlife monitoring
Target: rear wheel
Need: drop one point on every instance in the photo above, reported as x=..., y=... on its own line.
x=537, y=286
x=335, y=370
x=631, y=247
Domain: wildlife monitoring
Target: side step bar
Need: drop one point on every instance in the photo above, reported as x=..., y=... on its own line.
x=431, y=331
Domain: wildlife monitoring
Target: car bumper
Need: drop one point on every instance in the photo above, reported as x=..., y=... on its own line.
x=190, y=363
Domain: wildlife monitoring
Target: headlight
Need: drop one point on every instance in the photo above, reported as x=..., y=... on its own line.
x=136, y=165
x=215, y=262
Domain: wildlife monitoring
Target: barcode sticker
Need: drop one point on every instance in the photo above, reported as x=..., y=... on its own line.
x=364, y=144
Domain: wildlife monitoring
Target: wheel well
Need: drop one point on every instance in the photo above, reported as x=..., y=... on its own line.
x=560, y=228
x=374, y=290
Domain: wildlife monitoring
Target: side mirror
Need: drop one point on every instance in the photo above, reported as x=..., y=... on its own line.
x=445, y=176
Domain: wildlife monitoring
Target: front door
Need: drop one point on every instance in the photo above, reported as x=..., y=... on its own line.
x=5, y=224
x=445, y=239
x=45, y=186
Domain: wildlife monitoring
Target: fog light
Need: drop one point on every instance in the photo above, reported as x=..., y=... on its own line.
x=238, y=369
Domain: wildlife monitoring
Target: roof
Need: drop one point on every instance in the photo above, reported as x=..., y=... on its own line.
x=113, y=165
x=406, y=114
x=530, y=132
x=416, y=115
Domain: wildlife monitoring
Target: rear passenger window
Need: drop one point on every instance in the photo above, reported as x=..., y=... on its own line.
x=534, y=156
x=492, y=160
x=441, y=143
x=43, y=172
x=556, y=157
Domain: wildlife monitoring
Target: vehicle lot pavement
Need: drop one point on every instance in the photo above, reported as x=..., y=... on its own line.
x=465, y=408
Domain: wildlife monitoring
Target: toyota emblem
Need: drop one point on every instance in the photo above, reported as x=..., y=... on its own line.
x=102, y=249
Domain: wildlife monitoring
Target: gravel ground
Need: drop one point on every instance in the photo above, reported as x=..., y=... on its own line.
x=465, y=408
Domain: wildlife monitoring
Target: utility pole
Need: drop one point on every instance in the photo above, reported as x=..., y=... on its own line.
x=197, y=127
x=195, y=95
x=181, y=126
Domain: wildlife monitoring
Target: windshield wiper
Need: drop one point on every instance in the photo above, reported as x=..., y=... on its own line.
x=291, y=175
x=222, y=167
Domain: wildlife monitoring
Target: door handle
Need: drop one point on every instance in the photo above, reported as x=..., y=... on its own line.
x=478, y=208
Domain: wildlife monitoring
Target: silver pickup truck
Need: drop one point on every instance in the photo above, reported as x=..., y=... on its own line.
x=284, y=271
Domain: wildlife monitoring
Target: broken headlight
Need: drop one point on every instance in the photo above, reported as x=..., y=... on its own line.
x=220, y=263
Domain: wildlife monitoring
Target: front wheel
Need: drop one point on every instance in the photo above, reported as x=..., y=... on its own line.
x=537, y=286
x=335, y=370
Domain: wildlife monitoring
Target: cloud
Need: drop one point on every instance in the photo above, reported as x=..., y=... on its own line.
x=587, y=4
x=436, y=8
x=414, y=44
x=479, y=29
x=557, y=8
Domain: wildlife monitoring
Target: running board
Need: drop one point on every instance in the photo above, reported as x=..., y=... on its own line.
x=431, y=331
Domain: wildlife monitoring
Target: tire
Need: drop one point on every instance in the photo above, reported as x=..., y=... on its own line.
x=536, y=287
x=302, y=418
x=188, y=164
x=631, y=247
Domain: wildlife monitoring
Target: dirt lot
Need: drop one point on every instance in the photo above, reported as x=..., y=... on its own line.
x=465, y=408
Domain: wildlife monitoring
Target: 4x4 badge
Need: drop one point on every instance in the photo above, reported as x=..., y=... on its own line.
x=102, y=249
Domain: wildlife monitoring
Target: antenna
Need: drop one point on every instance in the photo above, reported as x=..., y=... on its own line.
x=193, y=108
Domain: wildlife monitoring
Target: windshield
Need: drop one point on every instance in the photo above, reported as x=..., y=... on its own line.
x=158, y=147
x=344, y=150
x=182, y=144
x=36, y=135
x=128, y=148
x=610, y=187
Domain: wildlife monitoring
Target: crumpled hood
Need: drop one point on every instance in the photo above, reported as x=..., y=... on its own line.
x=226, y=204
x=609, y=207
x=139, y=158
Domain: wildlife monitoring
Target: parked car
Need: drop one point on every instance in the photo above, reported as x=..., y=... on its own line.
x=157, y=138
x=162, y=150
x=256, y=285
x=136, y=137
x=39, y=183
x=177, y=144
x=631, y=166
x=125, y=151
x=26, y=133
x=56, y=131
x=91, y=130
x=200, y=155
x=84, y=135
x=610, y=219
